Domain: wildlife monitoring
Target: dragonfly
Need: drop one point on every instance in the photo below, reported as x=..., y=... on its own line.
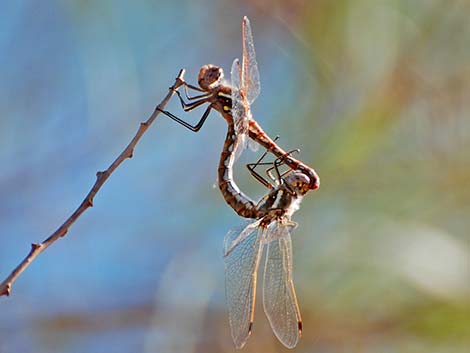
x=243, y=249
x=271, y=223
x=233, y=102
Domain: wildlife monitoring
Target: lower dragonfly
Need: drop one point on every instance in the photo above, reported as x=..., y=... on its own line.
x=243, y=249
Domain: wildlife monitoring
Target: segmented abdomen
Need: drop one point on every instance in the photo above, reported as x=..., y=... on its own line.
x=236, y=199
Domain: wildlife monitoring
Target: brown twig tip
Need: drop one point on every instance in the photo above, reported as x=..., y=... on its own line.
x=180, y=76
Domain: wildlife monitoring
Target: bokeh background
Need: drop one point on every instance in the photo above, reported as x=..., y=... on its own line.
x=375, y=93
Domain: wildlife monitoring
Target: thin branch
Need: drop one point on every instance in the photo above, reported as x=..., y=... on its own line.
x=101, y=177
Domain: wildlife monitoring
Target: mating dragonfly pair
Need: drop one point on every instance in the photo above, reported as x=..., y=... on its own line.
x=272, y=223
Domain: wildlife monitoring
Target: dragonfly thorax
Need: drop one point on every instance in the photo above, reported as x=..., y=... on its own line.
x=210, y=76
x=286, y=197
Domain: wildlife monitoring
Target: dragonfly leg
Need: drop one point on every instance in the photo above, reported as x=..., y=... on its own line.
x=252, y=166
x=192, y=105
x=192, y=87
x=280, y=176
x=279, y=162
x=187, y=125
x=204, y=94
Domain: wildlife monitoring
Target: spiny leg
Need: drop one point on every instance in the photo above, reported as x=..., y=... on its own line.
x=252, y=166
x=198, y=89
x=278, y=162
x=187, y=125
x=200, y=99
x=192, y=105
x=275, y=165
x=187, y=86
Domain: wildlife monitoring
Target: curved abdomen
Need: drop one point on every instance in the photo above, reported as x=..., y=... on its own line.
x=236, y=199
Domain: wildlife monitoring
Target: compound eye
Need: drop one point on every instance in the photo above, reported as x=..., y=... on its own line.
x=209, y=75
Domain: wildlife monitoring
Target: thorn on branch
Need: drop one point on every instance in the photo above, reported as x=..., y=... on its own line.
x=129, y=153
x=35, y=246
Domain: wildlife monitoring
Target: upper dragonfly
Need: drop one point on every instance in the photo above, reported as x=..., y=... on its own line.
x=233, y=103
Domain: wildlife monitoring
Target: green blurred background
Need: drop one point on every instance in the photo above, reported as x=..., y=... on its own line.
x=376, y=95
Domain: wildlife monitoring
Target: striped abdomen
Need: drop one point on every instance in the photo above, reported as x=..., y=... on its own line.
x=236, y=199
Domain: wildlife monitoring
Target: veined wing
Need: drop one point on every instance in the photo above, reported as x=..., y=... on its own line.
x=242, y=252
x=239, y=111
x=279, y=299
x=250, y=74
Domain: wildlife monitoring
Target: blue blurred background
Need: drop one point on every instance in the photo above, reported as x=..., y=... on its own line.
x=375, y=93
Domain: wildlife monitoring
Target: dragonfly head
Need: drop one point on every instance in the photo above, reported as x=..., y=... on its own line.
x=285, y=199
x=210, y=76
x=297, y=182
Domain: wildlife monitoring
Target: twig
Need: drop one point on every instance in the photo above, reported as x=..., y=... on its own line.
x=101, y=177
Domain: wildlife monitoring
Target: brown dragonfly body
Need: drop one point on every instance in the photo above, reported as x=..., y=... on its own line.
x=219, y=97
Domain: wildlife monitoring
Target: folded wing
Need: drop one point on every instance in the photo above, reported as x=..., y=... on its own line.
x=242, y=252
x=250, y=73
x=279, y=299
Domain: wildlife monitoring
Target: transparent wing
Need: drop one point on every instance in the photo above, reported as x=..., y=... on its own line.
x=242, y=250
x=279, y=299
x=250, y=74
x=239, y=111
x=254, y=146
x=237, y=105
